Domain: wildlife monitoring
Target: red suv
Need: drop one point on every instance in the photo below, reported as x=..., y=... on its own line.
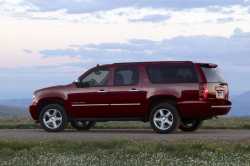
x=169, y=94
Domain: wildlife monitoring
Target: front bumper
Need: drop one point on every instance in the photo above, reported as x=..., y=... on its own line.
x=33, y=109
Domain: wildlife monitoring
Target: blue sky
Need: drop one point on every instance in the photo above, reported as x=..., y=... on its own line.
x=46, y=42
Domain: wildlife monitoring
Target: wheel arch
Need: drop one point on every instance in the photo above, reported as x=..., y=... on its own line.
x=154, y=100
x=51, y=100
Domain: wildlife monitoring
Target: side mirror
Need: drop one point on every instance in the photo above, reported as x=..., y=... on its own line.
x=80, y=84
x=77, y=83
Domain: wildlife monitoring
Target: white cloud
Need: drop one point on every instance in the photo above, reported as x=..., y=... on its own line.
x=25, y=29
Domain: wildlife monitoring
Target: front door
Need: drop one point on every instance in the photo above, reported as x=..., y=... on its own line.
x=90, y=100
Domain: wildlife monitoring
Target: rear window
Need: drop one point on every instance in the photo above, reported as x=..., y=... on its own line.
x=213, y=74
x=172, y=74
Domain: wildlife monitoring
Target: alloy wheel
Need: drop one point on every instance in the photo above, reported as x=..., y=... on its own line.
x=52, y=118
x=163, y=119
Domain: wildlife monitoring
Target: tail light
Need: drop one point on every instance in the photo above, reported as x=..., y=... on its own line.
x=203, y=92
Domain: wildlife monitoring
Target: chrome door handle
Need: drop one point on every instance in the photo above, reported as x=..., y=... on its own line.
x=134, y=90
x=101, y=91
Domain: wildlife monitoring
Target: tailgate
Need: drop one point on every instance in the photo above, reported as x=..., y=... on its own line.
x=218, y=91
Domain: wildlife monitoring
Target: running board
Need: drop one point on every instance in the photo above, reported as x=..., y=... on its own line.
x=108, y=119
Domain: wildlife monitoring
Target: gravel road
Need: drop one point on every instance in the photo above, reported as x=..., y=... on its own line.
x=129, y=134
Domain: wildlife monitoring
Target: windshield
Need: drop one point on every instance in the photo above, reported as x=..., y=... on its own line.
x=213, y=74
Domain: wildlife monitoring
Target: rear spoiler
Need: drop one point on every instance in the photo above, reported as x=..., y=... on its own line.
x=208, y=65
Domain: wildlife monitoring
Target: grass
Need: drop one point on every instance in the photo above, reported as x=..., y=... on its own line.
x=228, y=123
x=221, y=123
x=17, y=123
x=123, y=152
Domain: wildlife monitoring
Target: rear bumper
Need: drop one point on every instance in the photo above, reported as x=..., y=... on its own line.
x=220, y=109
x=203, y=109
x=33, y=109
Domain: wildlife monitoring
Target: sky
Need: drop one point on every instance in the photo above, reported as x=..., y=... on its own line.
x=45, y=43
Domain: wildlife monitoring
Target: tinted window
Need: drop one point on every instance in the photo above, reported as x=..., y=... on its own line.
x=126, y=77
x=172, y=74
x=98, y=77
x=213, y=74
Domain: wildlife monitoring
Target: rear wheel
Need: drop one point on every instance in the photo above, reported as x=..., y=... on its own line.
x=53, y=118
x=190, y=125
x=164, y=118
x=82, y=125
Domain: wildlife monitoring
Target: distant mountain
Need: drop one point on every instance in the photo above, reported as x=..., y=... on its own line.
x=21, y=103
x=14, y=108
x=241, y=105
x=12, y=112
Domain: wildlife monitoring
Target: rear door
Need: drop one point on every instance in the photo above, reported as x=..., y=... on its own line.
x=126, y=95
x=217, y=86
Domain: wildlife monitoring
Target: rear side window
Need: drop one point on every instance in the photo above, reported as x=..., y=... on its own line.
x=213, y=74
x=126, y=76
x=172, y=74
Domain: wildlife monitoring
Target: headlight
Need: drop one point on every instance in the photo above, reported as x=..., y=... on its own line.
x=33, y=98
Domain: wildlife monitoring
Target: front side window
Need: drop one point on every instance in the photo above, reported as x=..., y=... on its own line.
x=98, y=77
x=125, y=77
x=172, y=74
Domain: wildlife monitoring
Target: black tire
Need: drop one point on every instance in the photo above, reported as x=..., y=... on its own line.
x=60, y=114
x=190, y=125
x=82, y=125
x=173, y=117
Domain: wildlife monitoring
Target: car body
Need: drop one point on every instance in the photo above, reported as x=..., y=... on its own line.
x=129, y=91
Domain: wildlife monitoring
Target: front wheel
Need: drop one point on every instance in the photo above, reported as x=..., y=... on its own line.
x=190, y=125
x=164, y=118
x=53, y=118
x=82, y=125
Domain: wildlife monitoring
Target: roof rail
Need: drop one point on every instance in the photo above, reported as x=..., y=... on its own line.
x=153, y=62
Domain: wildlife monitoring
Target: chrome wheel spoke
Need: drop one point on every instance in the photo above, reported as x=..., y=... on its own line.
x=54, y=124
x=161, y=112
x=58, y=118
x=168, y=114
x=48, y=114
x=157, y=119
x=162, y=125
x=49, y=120
x=54, y=112
x=168, y=122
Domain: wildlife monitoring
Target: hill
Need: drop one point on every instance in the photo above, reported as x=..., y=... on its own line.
x=241, y=105
x=21, y=103
x=12, y=112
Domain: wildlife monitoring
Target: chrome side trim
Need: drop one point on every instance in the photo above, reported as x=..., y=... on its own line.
x=88, y=105
x=125, y=104
x=134, y=90
x=191, y=102
x=220, y=106
x=94, y=105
